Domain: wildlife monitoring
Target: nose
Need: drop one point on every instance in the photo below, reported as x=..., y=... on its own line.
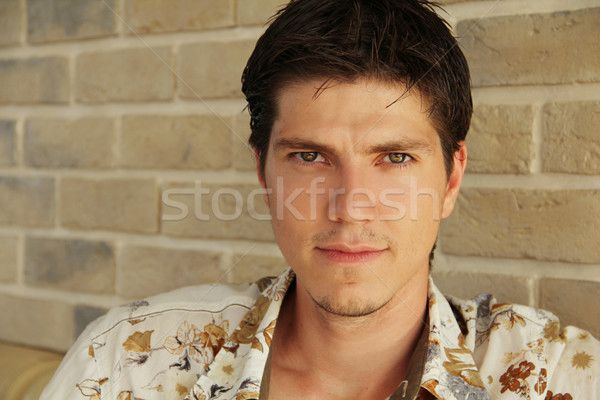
x=350, y=198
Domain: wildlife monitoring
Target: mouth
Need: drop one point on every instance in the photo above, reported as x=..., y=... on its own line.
x=350, y=254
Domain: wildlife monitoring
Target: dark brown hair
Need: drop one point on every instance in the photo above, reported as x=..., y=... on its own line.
x=401, y=41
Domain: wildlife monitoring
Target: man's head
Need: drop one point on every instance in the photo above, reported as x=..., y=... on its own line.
x=358, y=111
x=396, y=41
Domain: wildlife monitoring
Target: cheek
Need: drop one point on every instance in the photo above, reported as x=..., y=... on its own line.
x=413, y=199
x=295, y=197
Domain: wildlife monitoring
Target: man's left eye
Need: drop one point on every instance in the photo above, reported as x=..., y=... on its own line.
x=396, y=158
x=308, y=156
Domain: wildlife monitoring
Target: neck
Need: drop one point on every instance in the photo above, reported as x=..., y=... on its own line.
x=372, y=350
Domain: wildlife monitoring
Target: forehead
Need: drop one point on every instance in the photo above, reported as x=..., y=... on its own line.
x=358, y=114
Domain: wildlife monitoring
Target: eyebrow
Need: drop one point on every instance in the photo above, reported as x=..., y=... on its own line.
x=398, y=146
x=301, y=144
x=401, y=145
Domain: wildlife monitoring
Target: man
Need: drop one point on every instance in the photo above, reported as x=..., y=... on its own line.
x=359, y=111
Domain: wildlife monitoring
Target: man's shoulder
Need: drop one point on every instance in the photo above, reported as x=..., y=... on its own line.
x=163, y=342
x=195, y=303
x=522, y=349
x=489, y=315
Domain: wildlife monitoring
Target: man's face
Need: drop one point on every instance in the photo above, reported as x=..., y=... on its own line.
x=358, y=191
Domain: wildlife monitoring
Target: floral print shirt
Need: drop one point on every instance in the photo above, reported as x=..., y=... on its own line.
x=212, y=342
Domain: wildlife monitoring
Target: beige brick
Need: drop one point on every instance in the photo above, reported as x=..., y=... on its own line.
x=250, y=268
x=575, y=302
x=257, y=12
x=8, y=259
x=212, y=69
x=69, y=19
x=500, y=139
x=144, y=271
x=125, y=75
x=243, y=155
x=84, y=315
x=177, y=15
x=466, y=285
x=74, y=265
x=66, y=143
x=10, y=22
x=34, y=80
x=544, y=225
x=129, y=205
x=181, y=142
x=7, y=143
x=27, y=202
x=571, y=141
x=223, y=221
x=24, y=320
x=533, y=49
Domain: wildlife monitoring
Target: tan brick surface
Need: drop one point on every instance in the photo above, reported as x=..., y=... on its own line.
x=533, y=49
x=144, y=271
x=73, y=265
x=69, y=19
x=80, y=143
x=39, y=323
x=243, y=155
x=212, y=69
x=466, y=285
x=139, y=74
x=544, y=225
x=178, y=15
x=500, y=139
x=84, y=315
x=34, y=80
x=250, y=268
x=7, y=143
x=257, y=12
x=27, y=202
x=129, y=205
x=10, y=22
x=571, y=141
x=8, y=259
x=219, y=222
x=181, y=142
x=575, y=302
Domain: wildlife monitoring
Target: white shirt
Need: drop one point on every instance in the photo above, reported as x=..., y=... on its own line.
x=212, y=342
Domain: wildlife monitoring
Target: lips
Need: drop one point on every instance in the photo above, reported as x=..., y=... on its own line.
x=350, y=254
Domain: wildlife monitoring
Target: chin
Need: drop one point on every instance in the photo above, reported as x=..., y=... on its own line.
x=353, y=307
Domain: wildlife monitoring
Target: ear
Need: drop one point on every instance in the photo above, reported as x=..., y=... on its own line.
x=455, y=179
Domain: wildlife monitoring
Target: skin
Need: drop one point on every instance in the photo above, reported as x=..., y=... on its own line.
x=366, y=189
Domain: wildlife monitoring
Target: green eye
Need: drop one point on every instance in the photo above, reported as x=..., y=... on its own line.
x=397, y=158
x=308, y=156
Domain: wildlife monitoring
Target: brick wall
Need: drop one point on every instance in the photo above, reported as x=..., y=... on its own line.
x=106, y=105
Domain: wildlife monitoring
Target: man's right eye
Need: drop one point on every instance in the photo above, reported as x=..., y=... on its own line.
x=308, y=156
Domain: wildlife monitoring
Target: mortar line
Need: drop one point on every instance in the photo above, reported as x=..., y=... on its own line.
x=537, y=140
x=120, y=6
x=534, y=295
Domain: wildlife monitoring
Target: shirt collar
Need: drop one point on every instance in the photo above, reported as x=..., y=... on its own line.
x=442, y=362
x=450, y=371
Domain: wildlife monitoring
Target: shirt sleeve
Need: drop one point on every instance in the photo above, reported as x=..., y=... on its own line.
x=78, y=376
